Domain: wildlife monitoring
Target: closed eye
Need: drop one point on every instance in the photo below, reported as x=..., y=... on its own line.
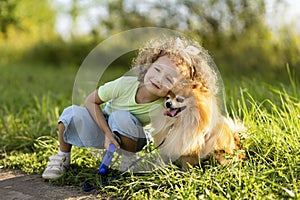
x=180, y=99
x=170, y=80
x=157, y=69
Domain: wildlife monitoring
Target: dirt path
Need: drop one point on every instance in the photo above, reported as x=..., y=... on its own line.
x=17, y=185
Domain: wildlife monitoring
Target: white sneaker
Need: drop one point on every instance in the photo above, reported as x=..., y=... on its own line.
x=56, y=167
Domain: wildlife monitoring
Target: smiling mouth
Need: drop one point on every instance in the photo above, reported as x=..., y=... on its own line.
x=156, y=86
x=172, y=112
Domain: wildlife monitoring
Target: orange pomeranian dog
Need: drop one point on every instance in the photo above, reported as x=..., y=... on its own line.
x=193, y=128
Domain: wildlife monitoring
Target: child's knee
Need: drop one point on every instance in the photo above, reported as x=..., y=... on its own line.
x=126, y=124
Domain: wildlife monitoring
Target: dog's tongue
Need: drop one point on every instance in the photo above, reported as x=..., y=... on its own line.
x=171, y=113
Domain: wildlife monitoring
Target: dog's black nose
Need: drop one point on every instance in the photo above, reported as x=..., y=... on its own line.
x=168, y=104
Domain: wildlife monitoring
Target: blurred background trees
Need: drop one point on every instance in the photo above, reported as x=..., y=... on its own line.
x=235, y=32
x=23, y=24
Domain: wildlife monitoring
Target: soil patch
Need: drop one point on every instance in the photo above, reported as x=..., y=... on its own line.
x=15, y=184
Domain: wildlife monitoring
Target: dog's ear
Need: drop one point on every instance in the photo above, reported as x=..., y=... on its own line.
x=199, y=86
x=195, y=85
x=171, y=94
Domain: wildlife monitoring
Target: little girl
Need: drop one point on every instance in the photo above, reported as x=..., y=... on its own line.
x=127, y=101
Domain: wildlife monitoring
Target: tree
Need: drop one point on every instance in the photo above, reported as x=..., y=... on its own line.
x=35, y=18
x=7, y=15
x=121, y=17
x=207, y=20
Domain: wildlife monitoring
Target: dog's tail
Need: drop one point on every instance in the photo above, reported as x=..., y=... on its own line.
x=239, y=133
x=236, y=126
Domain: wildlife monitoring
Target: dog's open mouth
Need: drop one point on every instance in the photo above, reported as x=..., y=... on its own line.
x=172, y=112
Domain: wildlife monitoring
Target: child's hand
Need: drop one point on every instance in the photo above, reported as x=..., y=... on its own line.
x=109, y=139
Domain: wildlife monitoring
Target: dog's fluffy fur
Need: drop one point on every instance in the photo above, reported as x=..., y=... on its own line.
x=192, y=127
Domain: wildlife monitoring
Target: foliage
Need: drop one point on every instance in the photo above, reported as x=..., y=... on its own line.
x=24, y=23
x=235, y=31
x=60, y=52
x=121, y=18
x=269, y=108
x=31, y=105
x=252, y=61
x=7, y=15
x=27, y=93
x=20, y=17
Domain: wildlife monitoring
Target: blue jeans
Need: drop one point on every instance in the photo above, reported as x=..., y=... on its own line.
x=82, y=131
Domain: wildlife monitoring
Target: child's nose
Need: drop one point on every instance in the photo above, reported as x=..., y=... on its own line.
x=158, y=79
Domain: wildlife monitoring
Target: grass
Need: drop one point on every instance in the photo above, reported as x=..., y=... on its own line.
x=32, y=98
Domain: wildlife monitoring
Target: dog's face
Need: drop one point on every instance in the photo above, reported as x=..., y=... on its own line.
x=180, y=99
x=186, y=97
x=174, y=105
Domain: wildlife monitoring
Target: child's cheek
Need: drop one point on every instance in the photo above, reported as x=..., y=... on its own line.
x=168, y=87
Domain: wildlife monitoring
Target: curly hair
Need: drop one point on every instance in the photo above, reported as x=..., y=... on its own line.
x=193, y=66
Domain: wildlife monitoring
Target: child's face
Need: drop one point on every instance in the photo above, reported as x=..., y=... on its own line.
x=161, y=76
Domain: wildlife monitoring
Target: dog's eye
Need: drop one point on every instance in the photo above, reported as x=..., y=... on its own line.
x=167, y=97
x=180, y=99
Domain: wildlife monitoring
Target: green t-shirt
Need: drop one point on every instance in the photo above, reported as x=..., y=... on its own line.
x=120, y=95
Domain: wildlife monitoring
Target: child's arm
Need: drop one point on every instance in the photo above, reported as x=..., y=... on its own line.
x=92, y=103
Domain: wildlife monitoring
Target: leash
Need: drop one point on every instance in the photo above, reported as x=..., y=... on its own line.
x=103, y=169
